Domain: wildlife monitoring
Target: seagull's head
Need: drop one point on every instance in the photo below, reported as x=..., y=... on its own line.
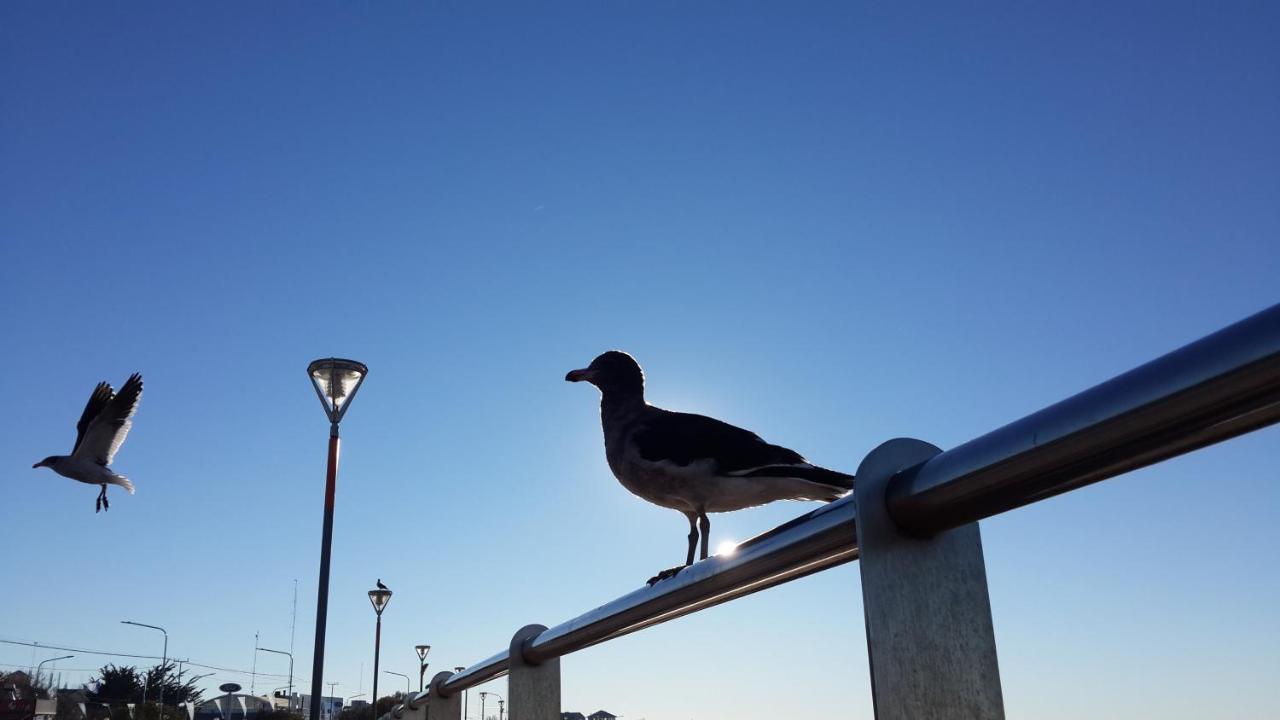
x=614, y=371
x=47, y=462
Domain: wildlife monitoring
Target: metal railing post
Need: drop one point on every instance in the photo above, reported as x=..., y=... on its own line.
x=534, y=689
x=930, y=638
x=438, y=706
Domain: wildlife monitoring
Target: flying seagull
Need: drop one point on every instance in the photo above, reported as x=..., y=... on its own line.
x=101, y=431
x=692, y=463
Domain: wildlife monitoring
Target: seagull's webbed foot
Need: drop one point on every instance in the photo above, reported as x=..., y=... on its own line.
x=97, y=506
x=668, y=573
x=102, y=503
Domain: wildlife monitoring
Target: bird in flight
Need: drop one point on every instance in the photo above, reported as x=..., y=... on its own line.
x=101, y=431
x=692, y=463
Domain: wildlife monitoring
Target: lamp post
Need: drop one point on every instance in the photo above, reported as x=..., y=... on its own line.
x=465, y=694
x=422, y=662
x=163, y=662
x=406, y=680
x=501, y=701
x=42, y=662
x=336, y=382
x=379, y=596
x=281, y=652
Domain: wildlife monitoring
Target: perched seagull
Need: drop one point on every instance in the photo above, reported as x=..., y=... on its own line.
x=381, y=586
x=99, y=434
x=692, y=463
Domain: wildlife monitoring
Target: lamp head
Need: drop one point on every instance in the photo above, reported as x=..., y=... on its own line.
x=336, y=382
x=422, y=651
x=379, y=597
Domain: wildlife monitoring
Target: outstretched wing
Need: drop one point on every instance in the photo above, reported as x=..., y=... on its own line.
x=108, y=429
x=98, y=400
x=685, y=438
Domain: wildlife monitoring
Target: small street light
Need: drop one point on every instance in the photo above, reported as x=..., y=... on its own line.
x=465, y=694
x=281, y=652
x=379, y=597
x=163, y=662
x=336, y=382
x=501, y=702
x=422, y=662
x=41, y=665
x=406, y=680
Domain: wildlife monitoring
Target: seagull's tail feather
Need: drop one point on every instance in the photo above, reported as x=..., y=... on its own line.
x=123, y=482
x=803, y=471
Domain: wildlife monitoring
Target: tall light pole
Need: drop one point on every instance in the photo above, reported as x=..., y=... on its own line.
x=163, y=662
x=281, y=652
x=336, y=382
x=501, y=701
x=379, y=597
x=406, y=680
x=42, y=662
x=465, y=694
x=422, y=662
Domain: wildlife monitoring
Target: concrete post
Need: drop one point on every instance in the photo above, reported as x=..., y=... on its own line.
x=440, y=707
x=930, y=637
x=534, y=690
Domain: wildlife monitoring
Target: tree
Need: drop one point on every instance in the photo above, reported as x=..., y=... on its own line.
x=118, y=685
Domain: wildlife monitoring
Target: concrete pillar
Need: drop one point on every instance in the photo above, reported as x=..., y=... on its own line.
x=438, y=706
x=930, y=637
x=534, y=690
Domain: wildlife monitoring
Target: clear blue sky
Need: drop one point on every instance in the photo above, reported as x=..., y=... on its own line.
x=831, y=224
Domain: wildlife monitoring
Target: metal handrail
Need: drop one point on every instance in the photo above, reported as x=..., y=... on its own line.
x=1221, y=386
x=815, y=541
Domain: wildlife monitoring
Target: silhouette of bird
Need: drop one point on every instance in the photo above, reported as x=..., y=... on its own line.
x=103, y=426
x=381, y=586
x=692, y=463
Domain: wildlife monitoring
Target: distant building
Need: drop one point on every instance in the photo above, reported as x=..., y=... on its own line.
x=602, y=715
x=232, y=706
x=329, y=706
x=572, y=716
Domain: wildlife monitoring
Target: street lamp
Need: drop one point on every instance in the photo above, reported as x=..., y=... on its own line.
x=406, y=680
x=465, y=694
x=42, y=662
x=281, y=652
x=501, y=701
x=422, y=662
x=336, y=382
x=379, y=597
x=163, y=662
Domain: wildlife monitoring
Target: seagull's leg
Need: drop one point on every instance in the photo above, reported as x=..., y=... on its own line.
x=97, y=506
x=693, y=538
x=693, y=545
x=105, y=504
x=705, y=525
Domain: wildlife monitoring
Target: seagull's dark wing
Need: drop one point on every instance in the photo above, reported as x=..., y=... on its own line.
x=684, y=438
x=98, y=400
x=106, y=432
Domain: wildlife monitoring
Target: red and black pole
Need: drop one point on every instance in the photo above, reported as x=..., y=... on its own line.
x=322, y=595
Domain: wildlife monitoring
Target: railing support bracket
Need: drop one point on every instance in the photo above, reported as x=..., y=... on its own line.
x=534, y=689
x=930, y=639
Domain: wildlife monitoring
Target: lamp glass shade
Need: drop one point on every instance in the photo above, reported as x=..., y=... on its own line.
x=422, y=651
x=379, y=598
x=336, y=382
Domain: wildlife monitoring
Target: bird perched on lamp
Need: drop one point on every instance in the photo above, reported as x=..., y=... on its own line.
x=693, y=463
x=103, y=426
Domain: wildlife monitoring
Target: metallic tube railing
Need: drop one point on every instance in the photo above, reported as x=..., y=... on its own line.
x=816, y=541
x=1216, y=388
x=1223, y=385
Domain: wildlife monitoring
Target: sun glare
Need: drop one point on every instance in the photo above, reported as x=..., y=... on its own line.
x=726, y=548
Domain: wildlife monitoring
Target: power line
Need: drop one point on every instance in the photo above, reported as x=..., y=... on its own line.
x=130, y=655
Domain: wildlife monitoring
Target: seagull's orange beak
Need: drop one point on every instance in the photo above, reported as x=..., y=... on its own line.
x=579, y=375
